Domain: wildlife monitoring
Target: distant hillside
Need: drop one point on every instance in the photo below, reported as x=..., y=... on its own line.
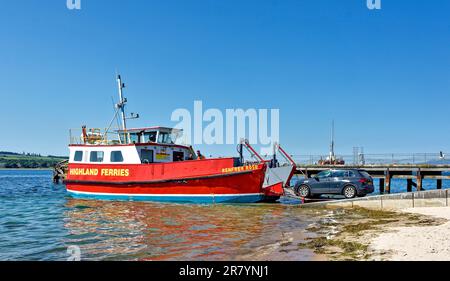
x=439, y=162
x=14, y=160
x=8, y=153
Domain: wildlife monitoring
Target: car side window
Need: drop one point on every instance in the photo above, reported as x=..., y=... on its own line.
x=339, y=174
x=351, y=174
x=324, y=174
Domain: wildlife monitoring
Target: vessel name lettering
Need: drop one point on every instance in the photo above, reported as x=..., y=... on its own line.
x=240, y=169
x=83, y=172
x=104, y=172
x=115, y=172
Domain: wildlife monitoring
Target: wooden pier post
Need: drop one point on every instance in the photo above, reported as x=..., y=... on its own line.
x=381, y=185
x=439, y=183
x=387, y=177
x=409, y=185
x=307, y=175
x=419, y=180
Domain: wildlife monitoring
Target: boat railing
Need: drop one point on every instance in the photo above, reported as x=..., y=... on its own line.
x=285, y=155
x=93, y=136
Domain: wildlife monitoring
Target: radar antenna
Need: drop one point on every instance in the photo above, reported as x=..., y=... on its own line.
x=121, y=107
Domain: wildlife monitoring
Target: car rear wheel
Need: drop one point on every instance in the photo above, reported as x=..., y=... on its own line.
x=349, y=192
x=303, y=191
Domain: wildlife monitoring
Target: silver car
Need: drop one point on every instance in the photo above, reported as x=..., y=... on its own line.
x=347, y=182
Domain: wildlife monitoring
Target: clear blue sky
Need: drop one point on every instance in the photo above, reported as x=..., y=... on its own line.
x=384, y=76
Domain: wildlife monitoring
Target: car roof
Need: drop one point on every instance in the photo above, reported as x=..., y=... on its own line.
x=347, y=169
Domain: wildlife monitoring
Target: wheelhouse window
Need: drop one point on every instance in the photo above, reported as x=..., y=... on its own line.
x=165, y=138
x=135, y=138
x=116, y=156
x=97, y=156
x=178, y=156
x=123, y=137
x=78, y=157
x=150, y=137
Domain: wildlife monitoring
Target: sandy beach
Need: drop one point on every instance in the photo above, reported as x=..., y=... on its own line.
x=419, y=234
x=416, y=243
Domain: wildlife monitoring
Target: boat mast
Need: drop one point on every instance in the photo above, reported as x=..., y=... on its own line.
x=121, y=106
x=332, y=157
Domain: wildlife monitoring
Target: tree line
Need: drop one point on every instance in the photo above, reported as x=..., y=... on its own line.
x=12, y=160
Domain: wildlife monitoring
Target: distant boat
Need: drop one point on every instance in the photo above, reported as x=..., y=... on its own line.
x=331, y=159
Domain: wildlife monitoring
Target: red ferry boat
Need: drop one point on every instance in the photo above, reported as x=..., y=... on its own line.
x=147, y=164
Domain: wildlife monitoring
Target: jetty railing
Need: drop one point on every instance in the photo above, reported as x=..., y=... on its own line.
x=379, y=159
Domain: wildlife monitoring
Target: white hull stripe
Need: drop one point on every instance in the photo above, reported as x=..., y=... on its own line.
x=164, y=195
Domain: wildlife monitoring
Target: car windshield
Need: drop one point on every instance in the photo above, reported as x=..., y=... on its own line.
x=324, y=174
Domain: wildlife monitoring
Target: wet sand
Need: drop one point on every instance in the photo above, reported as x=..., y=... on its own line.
x=286, y=249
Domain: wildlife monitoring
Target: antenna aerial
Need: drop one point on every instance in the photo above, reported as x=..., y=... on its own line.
x=121, y=107
x=122, y=102
x=332, y=156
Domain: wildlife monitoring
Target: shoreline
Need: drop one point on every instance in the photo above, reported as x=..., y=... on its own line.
x=26, y=169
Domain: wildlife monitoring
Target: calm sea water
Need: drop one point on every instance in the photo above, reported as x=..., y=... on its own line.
x=38, y=221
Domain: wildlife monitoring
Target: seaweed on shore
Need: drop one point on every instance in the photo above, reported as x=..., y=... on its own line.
x=321, y=245
x=347, y=239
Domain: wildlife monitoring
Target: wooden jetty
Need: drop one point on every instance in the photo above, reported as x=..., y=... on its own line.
x=385, y=173
x=390, y=202
x=60, y=171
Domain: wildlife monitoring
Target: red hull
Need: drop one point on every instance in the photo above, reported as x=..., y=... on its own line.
x=211, y=178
